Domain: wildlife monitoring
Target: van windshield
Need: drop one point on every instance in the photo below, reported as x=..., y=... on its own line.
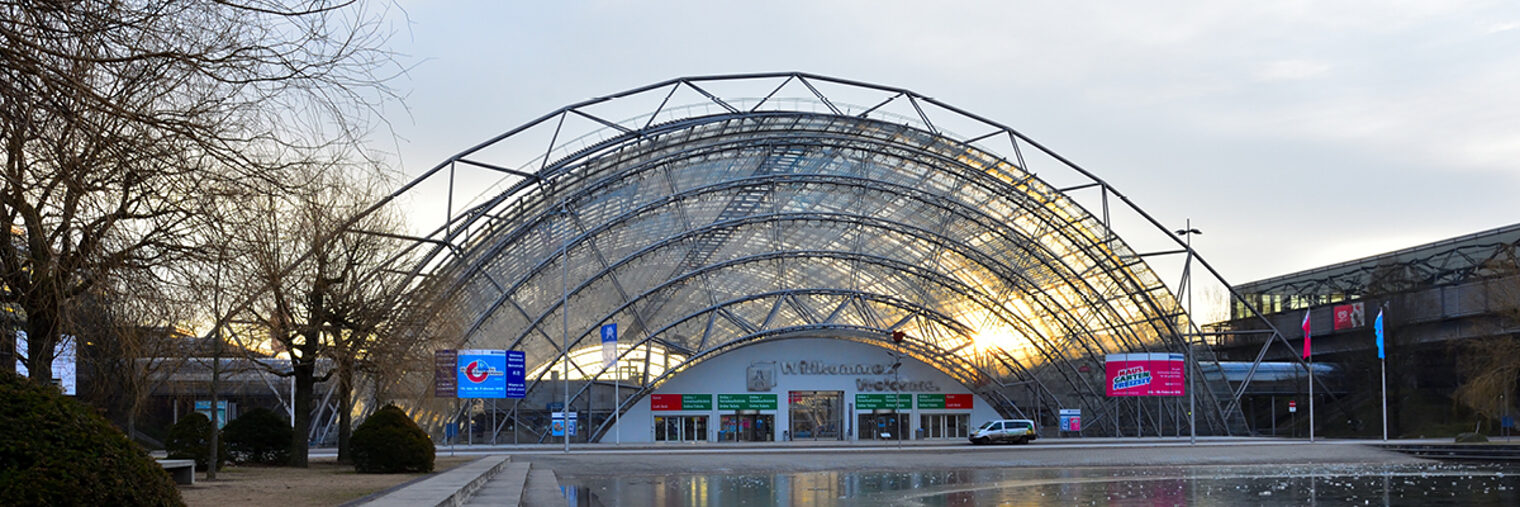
x=986, y=425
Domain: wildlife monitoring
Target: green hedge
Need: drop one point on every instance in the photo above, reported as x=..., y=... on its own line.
x=389, y=442
x=259, y=436
x=57, y=451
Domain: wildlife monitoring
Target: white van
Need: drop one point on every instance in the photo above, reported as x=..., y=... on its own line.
x=1004, y=430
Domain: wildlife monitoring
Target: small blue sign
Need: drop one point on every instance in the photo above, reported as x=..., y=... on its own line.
x=517, y=374
x=482, y=374
x=1507, y=422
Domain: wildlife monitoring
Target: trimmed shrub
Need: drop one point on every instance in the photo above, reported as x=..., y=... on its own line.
x=57, y=451
x=190, y=438
x=259, y=436
x=389, y=442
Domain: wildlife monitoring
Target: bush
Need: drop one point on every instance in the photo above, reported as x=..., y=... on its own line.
x=57, y=451
x=258, y=436
x=389, y=442
x=190, y=438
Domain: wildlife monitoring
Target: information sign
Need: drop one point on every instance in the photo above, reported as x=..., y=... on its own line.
x=883, y=401
x=746, y=402
x=1071, y=419
x=557, y=423
x=945, y=401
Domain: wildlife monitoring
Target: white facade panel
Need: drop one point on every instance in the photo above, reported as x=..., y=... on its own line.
x=812, y=364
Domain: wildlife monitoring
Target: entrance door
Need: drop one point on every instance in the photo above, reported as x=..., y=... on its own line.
x=943, y=425
x=747, y=428
x=680, y=428
x=883, y=426
x=816, y=415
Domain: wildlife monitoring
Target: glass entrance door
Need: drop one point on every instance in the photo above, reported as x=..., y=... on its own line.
x=883, y=426
x=816, y=415
x=943, y=425
x=680, y=428
x=747, y=428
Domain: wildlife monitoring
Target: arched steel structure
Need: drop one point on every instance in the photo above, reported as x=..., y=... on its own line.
x=704, y=228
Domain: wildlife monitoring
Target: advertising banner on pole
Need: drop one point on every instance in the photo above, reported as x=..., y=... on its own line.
x=482, y=374
x=1145, y=374
x=1350, y=316
x=445, y=378
x=609, y=345
x=517, y=374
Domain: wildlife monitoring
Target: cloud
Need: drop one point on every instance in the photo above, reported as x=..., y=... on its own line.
x=1290, y=70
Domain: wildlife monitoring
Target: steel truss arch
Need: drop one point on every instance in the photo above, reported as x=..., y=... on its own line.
x=787, y=207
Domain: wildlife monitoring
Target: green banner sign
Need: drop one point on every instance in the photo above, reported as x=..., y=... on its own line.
x=931, y=401
x=696, y=402
x=746, y=402
x=881, y=401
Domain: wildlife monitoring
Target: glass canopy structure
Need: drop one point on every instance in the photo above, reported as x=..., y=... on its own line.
x=766, y=207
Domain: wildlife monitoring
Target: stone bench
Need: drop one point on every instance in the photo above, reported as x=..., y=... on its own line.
x=183, y=470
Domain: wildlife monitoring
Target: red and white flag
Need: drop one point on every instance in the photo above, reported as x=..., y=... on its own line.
x=1306, y=334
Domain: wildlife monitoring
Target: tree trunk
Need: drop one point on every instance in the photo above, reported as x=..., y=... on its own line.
x=41, y=339
x=345, y=408
x=305, y=385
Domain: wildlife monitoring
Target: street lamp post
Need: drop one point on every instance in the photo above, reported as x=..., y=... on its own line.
x=1187, y=269
x=564, y=310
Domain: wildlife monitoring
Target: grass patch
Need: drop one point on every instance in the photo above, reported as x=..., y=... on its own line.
x=325, y=483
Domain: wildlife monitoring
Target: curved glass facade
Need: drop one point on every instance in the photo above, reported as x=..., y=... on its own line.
x=713, y=231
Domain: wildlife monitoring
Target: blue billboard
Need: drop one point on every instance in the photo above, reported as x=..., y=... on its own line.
x=517, y=374
x=482, y=374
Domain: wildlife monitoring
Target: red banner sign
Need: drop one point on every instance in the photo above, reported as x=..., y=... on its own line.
x=664, y=402
x=1350, y=316
x=1145, y=374
x=962, y=401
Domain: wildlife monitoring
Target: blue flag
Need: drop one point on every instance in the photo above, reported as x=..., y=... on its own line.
x=1377, y=327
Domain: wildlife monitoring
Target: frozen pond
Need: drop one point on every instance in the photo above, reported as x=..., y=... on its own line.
x=1327, y=484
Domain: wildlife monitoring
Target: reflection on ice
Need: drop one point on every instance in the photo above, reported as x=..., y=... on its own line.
x=1435, y=484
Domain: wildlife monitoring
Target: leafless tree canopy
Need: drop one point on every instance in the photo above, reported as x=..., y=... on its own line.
x=121, y=121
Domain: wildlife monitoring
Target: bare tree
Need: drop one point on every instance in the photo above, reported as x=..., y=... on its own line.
x=115, y=116
x=1490, y=366
x=328, y=286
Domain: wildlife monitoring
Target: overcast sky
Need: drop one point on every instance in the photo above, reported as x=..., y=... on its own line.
x=1294, y=134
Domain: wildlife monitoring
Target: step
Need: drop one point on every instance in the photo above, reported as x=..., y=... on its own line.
x=542, y=489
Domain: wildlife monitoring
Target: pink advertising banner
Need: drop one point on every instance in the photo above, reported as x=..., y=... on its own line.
x=1145, y=375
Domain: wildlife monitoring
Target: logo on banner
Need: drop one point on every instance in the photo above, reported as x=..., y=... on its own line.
x=478, y=371
x=1132, y=377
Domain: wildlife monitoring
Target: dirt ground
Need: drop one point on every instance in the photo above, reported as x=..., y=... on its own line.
x=325, y=483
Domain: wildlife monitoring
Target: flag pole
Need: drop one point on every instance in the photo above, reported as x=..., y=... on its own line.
x=1308, y=354
x=1383, y=364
